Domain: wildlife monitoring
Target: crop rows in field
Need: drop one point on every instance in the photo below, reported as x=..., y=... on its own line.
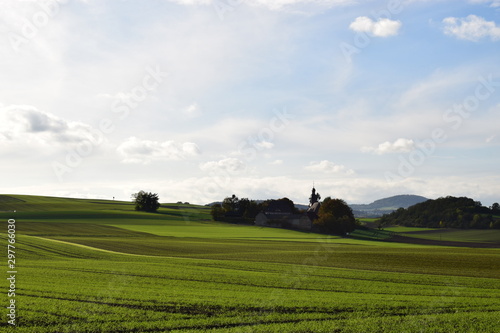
x=426, y=260
x=118, y=292
x=99, y=266
x=458, y=235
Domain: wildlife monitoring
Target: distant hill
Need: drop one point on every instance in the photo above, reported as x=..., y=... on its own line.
x=449, y=212
x=386, y=205
x=301, y=206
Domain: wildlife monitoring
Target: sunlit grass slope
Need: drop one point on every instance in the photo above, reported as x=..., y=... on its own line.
x=99, y=266
x=41, y=209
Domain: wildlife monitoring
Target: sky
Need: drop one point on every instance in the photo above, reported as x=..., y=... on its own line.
x=197, y=100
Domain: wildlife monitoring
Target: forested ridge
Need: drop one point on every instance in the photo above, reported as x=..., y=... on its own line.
x=447, y=212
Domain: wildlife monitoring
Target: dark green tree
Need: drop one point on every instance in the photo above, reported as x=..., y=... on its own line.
x=283, y=205
x=335, y=217
x=450, y=212
x=146, y=201
x=235, y=210
x=217, y=212
x=243, y=206
x=248, y=208
x=231, y=204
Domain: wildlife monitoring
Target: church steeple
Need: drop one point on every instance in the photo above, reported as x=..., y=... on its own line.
x=315, y=197
x=314, y=205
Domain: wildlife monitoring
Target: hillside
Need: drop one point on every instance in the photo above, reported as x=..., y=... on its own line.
x=100, y=266
x=451, y=212
x=386, y=205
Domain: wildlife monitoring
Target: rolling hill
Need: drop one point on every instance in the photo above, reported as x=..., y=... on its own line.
x=386, y=205
x=451, y=212
x=100, y=266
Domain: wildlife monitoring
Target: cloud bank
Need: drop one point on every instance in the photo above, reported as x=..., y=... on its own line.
x=134, y=150
x=471, y=28
x=328, y=167
x=27, y=124
x=401, y=145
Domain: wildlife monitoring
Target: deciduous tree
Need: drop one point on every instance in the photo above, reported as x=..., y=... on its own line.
x=335, y=217
x=231, y=204
x=146, y=201
x=217, y=212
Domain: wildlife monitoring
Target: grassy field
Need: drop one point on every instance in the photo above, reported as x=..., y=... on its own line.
x=407, y=230
x=457, y=235
x=446, y=235
x=99, y=266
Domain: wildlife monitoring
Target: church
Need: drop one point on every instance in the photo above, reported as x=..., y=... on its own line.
x=280, y=216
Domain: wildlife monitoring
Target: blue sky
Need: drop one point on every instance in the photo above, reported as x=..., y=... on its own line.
x=200, y=99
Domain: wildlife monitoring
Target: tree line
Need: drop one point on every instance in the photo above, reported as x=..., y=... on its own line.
x=333, y=217
x=234, y=209
x=447, y=212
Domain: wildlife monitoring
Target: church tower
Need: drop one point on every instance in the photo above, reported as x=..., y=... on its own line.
x=314, y=205
x=315, y=197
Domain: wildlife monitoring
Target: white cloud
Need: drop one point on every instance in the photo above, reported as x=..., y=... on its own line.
x=237, y=71
x=27, y=124
x=271, y=4
x=278, y=4
x=471, y=28
x=134, y=150
x=265, y=144
x=493, y=3
x=382, y=28
x=192, y=2
x=401, y=145
x=202, y=190
x=229, y=164
x=328, y=167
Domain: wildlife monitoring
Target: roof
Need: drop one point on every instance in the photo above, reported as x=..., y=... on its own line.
x=314, y=208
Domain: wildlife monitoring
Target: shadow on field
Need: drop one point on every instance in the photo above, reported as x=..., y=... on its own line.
x=412, y=240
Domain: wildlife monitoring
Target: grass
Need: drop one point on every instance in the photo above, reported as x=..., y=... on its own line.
x=451, y=235
x=99, y=266
x=76, y=289
x=405, y=230
x=460, y=235
x=215, y=230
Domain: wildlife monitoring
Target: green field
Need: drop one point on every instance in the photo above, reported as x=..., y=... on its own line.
x=99, y=266
x=407, y=230
x=457, y=235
